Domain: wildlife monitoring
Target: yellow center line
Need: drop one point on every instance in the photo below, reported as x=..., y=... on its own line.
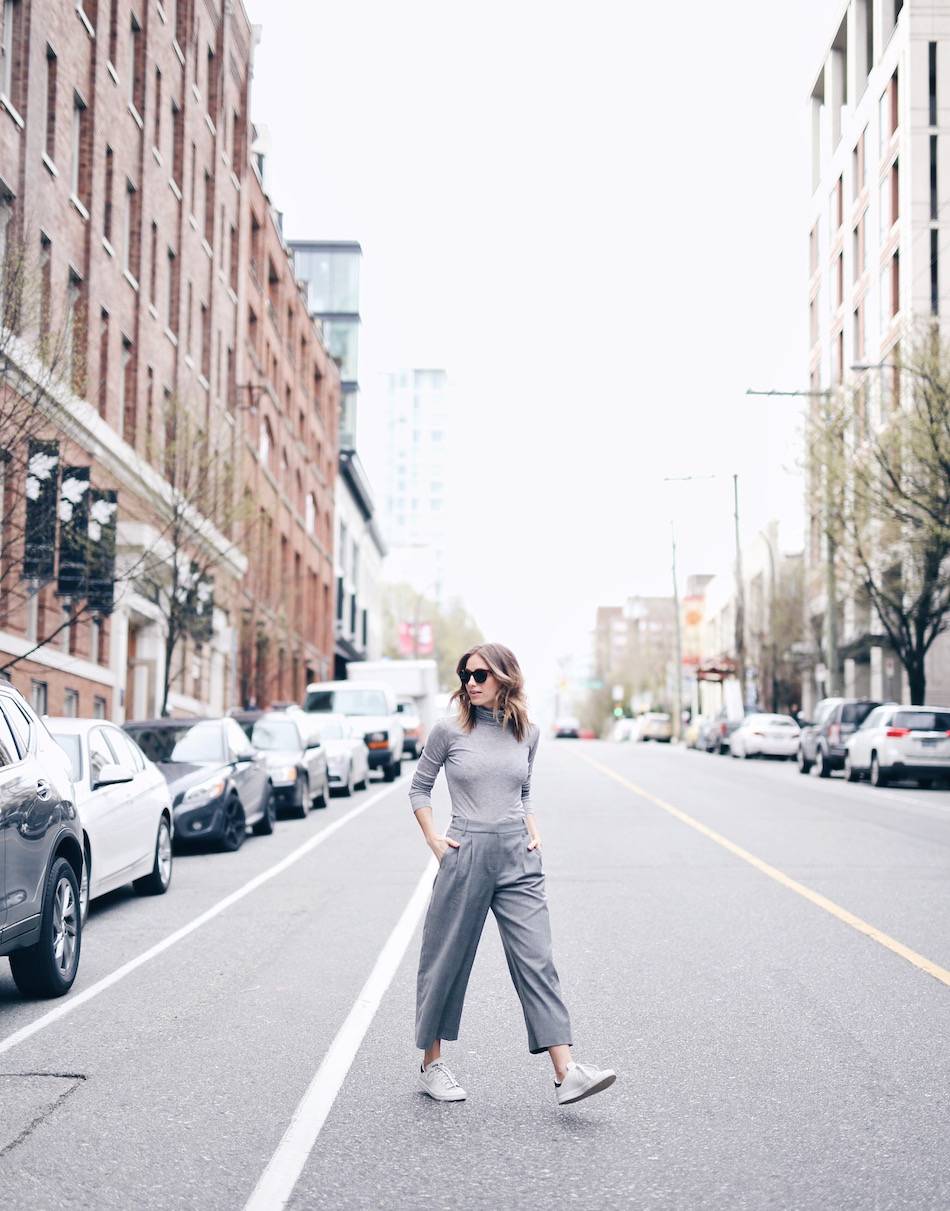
x=814, y=897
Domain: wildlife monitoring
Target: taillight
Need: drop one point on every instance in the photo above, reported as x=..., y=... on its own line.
x=834, y=733
x=896, y=733
x=723, y=728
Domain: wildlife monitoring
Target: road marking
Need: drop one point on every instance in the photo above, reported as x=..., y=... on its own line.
x=276, y=1183
x=77, y=1000
x=814, y=897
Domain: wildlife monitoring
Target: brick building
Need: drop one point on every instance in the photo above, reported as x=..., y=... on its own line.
x=125, y=180
x=290, y=414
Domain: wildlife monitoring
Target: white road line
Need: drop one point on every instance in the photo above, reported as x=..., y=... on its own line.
x=277, y=1182
x=77, y=1000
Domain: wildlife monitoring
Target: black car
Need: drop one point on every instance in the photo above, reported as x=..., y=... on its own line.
x=824, y=740
x=219, y=783
x=40, y=921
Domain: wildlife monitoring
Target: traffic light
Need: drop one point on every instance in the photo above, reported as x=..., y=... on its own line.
x=618, y=712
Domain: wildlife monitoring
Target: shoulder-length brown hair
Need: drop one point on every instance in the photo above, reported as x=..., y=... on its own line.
x=511, y=704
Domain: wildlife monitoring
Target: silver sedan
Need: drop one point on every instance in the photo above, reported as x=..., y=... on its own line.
x=347, y=755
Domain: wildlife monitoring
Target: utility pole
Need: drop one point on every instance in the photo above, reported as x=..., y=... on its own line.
x=678, y=652
x=831, y=551
x=740, y=595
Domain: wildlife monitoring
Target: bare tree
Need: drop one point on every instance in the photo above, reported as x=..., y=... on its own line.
x=886, y=480
x=198, y=530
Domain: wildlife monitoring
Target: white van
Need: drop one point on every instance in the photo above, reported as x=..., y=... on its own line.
x=371, y=706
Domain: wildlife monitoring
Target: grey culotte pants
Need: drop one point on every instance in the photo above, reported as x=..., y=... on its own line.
x=492, y=869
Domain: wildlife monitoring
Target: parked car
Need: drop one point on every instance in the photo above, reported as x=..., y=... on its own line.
x=567, y=728
x=720, y=733
x=42, y=853
x=125, y=808
x=372, y=707
x=707, y=735
x=823, y=707
x=347, y=754
x=656, y=725
x=623, y=730
x=823, y=742
x=245, y=718
x=901, y=742
x=295, y=760
x=413, y=739
x=218, y=782
x=764, y=735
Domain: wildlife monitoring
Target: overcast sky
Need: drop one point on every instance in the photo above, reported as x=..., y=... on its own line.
x=594, y=217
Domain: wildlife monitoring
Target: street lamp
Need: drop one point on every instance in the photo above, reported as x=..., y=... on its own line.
x=773, y=646
x=831, y=588
x=740, y=587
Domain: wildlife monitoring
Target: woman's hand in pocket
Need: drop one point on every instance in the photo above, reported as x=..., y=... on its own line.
x=440, y=846
x=535, y=842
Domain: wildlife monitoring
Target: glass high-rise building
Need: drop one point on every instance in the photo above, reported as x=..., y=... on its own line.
x=331, y=271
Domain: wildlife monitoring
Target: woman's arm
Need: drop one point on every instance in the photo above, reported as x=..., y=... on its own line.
x=420, y=791
x=526, y=801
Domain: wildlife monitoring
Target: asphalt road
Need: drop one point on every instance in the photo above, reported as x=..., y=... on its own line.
x=762, y=957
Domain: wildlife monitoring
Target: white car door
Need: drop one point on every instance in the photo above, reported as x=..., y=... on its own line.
x=110, y=830
x=142, y=801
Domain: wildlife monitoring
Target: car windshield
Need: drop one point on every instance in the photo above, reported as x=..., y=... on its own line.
x=923, y=721
x=275, y=734
x=780, y=721
x=187, y=742
x=347, y=702
x=73, y=750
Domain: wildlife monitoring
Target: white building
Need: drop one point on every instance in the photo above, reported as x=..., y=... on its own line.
x=415, y=425
x=879, y=255
x=358, y=552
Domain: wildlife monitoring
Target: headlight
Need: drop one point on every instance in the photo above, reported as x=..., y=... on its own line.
x=204, y=792
x=284, y=773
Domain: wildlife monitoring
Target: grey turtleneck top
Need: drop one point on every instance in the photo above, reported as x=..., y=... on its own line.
x=487, y=769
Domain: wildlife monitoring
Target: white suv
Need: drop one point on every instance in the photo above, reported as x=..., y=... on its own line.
x=371, y=708
x=897, y=742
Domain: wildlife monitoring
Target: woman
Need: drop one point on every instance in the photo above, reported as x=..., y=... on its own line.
x=490, y=857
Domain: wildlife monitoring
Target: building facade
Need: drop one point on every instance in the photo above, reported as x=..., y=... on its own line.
x=330, y=273
x=125, y=206
x=288, y=398
x=878, y=257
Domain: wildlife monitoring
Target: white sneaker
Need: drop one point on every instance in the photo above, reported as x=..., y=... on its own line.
x=583, y=1080
x=439, y=1083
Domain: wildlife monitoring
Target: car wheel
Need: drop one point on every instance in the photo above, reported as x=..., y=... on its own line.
x=323, y=799
x=821, y=764
x=722, y=749
x=389, y=773
x=84, y=881
x=850, y=773
x=48, y=968
x=350, y=785
x=878, y=777
x=235, y=825
x=301, y=808
x=265, y=826
x=804, y=765
x=156, y=883
x=363, y=782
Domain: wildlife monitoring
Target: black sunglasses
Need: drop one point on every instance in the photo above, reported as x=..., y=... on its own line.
x=480, y=676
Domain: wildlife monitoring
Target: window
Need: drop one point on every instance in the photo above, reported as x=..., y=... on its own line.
x=131, y=230
x=895, y=283
x=113, y=30
x=178, y=144
x=98, y=708
x=79, y=182
x=212, y=85
x=171, y=285
x=933, y=178
x=859, y=247
x=74, y=334
x=103, y=361
x=107, y=204
x=100, y=754
x=813, y=248
x=126, y=750
x=310, y=513
x=266, y=442
x=209, y=208
x=839, y=279
x=153, y=266
x=127, y=408
x=39, y=697
x=137, y=68
x=934, y=276
x=235, y=253
x=51, y=69
x=857, y=164
x=194, y=179
x=837, y=206
x=189, y=305
x=157, y=104
x=9, y=48
x=812, y=325
x=204, y=336
x=895, y=192
x=858, y=333
x=932, y=64
x=894, y=98
x=8, y=749
x=71, y=703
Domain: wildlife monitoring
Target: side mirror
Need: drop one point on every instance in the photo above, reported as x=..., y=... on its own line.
x=112, y=775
